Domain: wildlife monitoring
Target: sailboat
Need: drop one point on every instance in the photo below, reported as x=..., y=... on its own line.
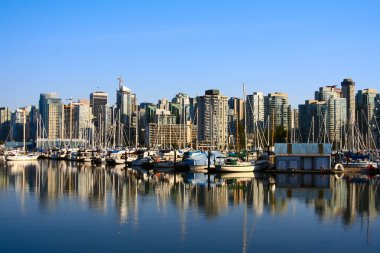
x=19, y=156
x=22, y=155
x=234, y=164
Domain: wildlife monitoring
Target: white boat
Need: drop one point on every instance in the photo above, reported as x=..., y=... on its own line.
x=22, y=157
x=235, y=165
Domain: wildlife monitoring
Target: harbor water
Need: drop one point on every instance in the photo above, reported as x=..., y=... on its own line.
x=58, y=206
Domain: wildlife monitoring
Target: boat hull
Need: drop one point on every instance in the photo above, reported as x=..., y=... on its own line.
x=22, y=158
x=235, y=168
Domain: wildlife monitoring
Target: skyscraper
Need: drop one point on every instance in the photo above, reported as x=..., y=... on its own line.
x=366, y=114
x=326, y=92
x=19, y=118
x=126, y=105
x=34, y=117
x=101, y=115
x=80, y=116
x=98, y=103
x=336, y=112
x=183, y=102
x=336, y=121
x=255, y=112
x=348, y=92
x=212, y=131
x=50, y=107
x=279, y=111
x=236, y=121
x=5, y=121
x=313, y=121
x=377, y=120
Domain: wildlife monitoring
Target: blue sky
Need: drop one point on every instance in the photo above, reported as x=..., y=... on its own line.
x=165, y=47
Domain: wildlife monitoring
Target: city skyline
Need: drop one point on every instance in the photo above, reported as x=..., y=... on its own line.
x=73, y=47
x=112, y=94
x=212, y=120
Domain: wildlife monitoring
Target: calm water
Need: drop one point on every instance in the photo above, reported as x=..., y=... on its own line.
x=51, y=206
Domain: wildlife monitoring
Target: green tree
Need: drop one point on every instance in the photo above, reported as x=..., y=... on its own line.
x=280, y=134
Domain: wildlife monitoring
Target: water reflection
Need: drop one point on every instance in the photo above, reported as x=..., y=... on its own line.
x=347, y=199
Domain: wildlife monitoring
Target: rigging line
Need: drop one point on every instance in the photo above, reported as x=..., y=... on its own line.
x=368, y=131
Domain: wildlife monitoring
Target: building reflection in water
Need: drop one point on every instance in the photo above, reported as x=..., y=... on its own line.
x=109, y=189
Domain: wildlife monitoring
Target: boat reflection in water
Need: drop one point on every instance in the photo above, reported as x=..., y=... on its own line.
x=149, y=202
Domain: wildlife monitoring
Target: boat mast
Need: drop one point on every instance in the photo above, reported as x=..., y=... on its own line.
x=120, y=129
x=273, y=127
x=137, y=129
x=23, y=126
x=184, y=120
x=245, y=118
x=71, y=119
x=368, y=126
x=114, y=127
x=196, y=139
x=312, y=132
x=37, y=133
x=268, y=127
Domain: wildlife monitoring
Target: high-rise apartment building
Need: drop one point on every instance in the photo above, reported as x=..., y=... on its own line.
x=79, y=115
x=377, y=121
x=326, y=92
x=183, y=102
x=20, y=119
x=99, y=104
x=279, y=112
x=313, y=121
x=212, y=129
x=125, y=103
x=366, y=114
x=5, y=122
x=255, y=112
x=34, y=118
x=236, y=121
x=50, y=107
x=336, y=121
x=101, y=116
x=348, y=92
